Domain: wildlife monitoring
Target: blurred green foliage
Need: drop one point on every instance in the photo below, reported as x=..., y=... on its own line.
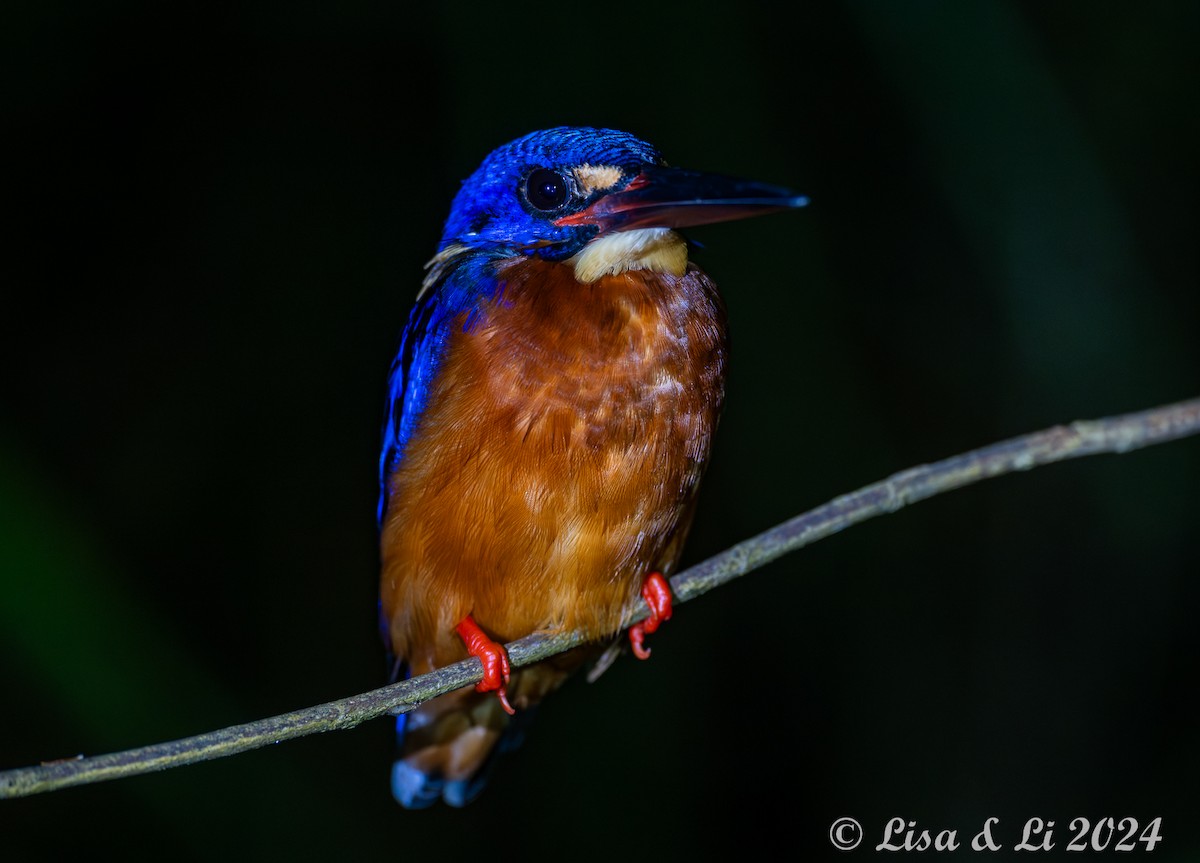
x=221, y=218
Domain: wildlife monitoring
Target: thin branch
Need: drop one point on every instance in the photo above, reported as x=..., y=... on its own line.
x=1111, y=435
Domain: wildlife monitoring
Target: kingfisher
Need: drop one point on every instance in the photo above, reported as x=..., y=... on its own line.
x=549, y=416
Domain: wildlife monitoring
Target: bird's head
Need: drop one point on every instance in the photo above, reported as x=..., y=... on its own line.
x=555, y=192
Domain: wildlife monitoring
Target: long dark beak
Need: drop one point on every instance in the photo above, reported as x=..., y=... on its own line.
x=661, y=197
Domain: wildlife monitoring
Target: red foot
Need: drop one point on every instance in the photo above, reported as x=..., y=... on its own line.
x=493, y=656
x=657, y=594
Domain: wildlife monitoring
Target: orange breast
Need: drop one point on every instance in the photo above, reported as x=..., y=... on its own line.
x=557, y=460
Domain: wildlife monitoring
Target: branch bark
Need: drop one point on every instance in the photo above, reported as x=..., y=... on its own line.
x=1117, y=434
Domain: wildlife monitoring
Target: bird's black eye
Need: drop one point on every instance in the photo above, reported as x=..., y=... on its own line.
x=546, y=189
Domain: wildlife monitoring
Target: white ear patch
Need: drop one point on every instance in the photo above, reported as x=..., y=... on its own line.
x=660, y=250
x=596, y=178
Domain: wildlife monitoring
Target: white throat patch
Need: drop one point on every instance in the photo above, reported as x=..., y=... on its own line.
x=659, y=250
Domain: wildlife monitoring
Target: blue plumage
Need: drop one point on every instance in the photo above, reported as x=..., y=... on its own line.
x=487, y=214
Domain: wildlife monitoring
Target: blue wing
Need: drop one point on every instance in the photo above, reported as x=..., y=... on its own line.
x=458, y=286
x=408, y=386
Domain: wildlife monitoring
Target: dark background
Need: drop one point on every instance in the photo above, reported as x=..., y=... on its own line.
x=217, y=220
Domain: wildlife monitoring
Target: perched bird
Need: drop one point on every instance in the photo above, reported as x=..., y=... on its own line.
x=550, y=413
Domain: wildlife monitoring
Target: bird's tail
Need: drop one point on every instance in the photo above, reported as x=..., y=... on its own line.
x=448, y=746
x=448, y=750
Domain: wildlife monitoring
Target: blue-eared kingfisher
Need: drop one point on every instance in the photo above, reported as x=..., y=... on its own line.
x=549, y=416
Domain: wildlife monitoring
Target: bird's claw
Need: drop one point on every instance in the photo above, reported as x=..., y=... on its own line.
x=657, y=594
x=496, y=667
